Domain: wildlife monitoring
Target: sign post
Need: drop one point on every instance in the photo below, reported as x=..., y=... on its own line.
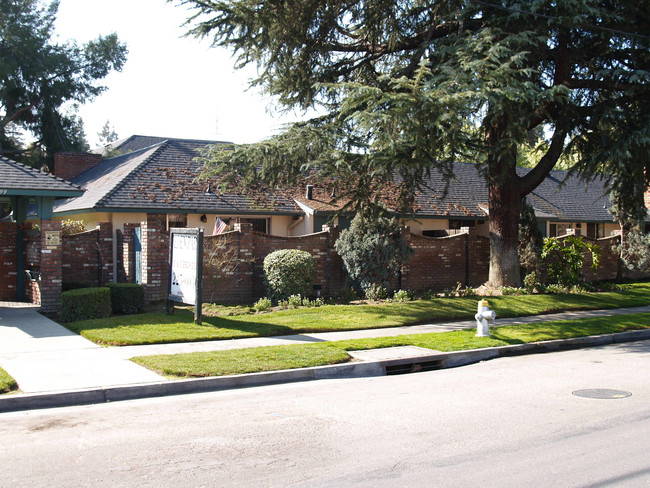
x=185, y=269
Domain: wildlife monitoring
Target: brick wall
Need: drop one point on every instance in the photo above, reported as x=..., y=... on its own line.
x=8, y=261
x=67, y=165
x=233, y=262
x=609, y=261
x=88, y=256
x=155, y=258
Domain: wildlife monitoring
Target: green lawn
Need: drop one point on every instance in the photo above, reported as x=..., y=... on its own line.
x=152, y=328
x=7, y=383
x=276, y=358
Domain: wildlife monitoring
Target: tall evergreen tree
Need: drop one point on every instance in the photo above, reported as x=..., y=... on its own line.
x=405, y=86
x=38, y=76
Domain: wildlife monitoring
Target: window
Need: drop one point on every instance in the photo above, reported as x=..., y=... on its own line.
x=259, y=225
x=176, y=220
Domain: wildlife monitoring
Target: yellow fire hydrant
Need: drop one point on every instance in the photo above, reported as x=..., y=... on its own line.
x=483, y=318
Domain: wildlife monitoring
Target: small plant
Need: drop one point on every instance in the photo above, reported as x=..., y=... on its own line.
x=294, y=301
x=459, y=291
x=376, y=292
x=306, y=302
x=555, y=289
x=346, y=295
x=283, y=304
x=512, y=290
x=426, y=295
x=531, y=282
x=403, y=296
x=263, y=305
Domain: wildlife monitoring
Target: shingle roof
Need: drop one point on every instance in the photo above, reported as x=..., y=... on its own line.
x=19, y=179
x=559, y=197
x=159, y=174
x=162, y=178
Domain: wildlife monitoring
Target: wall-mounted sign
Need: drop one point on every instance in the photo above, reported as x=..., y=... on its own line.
x=186, y=268
x=52, y=238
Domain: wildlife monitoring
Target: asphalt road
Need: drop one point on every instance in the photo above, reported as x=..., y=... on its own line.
x=506, y=422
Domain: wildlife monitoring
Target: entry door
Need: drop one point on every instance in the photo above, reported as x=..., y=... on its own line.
x=137, y=251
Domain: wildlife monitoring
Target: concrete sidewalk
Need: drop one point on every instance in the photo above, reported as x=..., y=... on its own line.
x=54, y=366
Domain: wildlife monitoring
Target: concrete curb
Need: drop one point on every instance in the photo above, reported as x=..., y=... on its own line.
x=437, y=360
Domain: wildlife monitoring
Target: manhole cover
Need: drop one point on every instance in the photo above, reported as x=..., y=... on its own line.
x=602, y=393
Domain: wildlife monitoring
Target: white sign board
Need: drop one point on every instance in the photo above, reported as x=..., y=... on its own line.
x=184, y=267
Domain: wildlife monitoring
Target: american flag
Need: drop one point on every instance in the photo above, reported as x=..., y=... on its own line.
x=219, y=226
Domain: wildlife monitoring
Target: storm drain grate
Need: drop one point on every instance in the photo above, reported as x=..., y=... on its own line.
x=602, y=393
x=407, y=368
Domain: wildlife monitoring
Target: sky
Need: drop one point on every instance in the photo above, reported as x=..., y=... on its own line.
x=171, y=85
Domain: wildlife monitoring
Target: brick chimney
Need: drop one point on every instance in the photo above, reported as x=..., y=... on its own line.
x=67, y=165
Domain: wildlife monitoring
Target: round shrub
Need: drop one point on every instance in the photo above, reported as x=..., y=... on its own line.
x=288, y=272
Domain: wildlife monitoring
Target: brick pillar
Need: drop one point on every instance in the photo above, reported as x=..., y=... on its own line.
x=105, y=250
x=245, y=254
x=8, y=261
x=128, y=252
x=155, y=259
x=51, y=266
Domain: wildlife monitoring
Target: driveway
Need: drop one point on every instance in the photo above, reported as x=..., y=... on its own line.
x=43, y=356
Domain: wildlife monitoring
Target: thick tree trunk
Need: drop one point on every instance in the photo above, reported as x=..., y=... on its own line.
x=505, y=205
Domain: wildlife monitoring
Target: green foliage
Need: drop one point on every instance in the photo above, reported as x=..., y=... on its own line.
x=565, y=258
x=71, y=226
x=512, y=290
x=7, y=383
x=635, y=253
x=85, y=303
x=376, y=292
x=373, y=249
x=294, y=301
x=530, y=240
x=289, y=272
x=126, y=297
x=264, y=304
x=346, y=295
x=405, y=87
x=403, y=296
x=532, y=282
x=316, y=302
x=41, y=76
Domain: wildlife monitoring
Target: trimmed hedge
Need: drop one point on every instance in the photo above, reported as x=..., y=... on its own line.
x=126, y=297
x=85, y=303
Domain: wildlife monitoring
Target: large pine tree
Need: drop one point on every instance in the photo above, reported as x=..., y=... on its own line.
x=404, y=86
